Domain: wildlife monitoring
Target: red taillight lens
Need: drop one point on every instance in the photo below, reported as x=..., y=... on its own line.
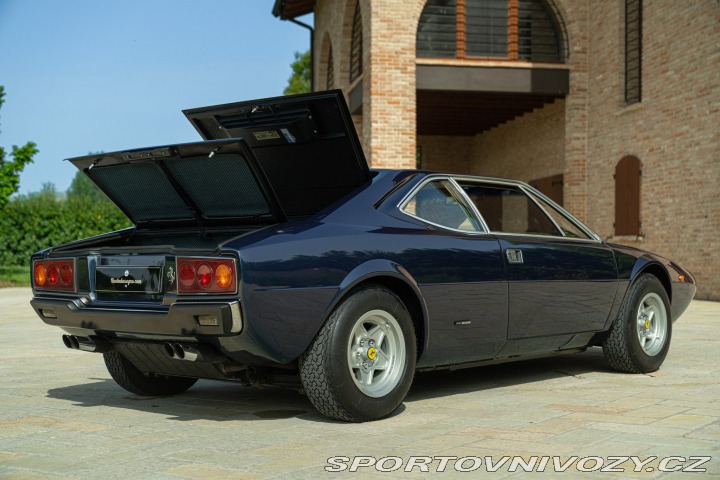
x=187, y=275
x=54, y=275
x=206, y=275
x=66, y=275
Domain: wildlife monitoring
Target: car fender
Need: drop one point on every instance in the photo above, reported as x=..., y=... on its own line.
x=381, y=269
x=632, y=264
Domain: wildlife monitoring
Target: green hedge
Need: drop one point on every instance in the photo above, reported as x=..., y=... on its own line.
x=38, y=221
x=14, y=276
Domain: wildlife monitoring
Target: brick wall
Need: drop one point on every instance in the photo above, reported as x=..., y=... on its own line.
x=673, y=131
x=445, y=153
x=529, y=147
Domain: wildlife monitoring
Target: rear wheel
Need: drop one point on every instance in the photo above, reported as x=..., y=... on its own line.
x=640, y=338
x=131, y=379
x=361, y=364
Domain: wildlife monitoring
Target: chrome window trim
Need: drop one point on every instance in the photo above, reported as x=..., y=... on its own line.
x=461, y=198
x=501, y=182
x=594, y=238
x=469, y=201
x=564, y=213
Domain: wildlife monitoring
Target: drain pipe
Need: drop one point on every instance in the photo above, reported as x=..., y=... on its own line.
x=312, y=50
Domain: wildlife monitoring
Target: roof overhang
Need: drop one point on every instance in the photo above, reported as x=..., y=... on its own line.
x=467, y=100
x=290, y=9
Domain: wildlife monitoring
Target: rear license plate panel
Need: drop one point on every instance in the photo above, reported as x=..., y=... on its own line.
x=127, y=279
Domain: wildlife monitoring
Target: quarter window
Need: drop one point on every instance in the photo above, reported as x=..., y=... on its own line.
x=437, y=203
x=569, y=229
x=509, y=210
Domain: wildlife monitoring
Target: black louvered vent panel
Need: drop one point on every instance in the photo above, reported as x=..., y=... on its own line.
x=262, y=118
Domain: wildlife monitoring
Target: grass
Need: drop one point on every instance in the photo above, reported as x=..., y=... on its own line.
x=14, y=276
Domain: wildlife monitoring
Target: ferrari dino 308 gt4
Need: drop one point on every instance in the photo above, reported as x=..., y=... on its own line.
x=270, y=253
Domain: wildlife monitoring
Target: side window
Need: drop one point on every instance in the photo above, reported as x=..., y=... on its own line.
x=437, y=203
x=509, y=210
x=569, y=229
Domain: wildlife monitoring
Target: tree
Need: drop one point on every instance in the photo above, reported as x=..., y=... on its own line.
x=10, y=169
x=299, y=81
x=82, y=187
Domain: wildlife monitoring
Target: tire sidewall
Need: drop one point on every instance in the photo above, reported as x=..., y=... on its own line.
x=647, y=363
x=338, y=372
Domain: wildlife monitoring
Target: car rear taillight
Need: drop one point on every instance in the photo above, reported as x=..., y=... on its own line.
x=54, y=275
x=206, y=275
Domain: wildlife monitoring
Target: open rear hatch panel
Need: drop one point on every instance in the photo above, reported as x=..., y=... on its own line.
x=305, y=144
x=263, y=161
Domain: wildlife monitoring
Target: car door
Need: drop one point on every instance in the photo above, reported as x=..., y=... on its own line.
x=459, y=269
x=561, y=279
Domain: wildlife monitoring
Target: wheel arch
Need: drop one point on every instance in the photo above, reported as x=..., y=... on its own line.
x=656, y=269
x=395, y=278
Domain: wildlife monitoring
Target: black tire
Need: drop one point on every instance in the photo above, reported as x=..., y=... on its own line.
x=131, y=379
x=623, y=348
x=341, y=355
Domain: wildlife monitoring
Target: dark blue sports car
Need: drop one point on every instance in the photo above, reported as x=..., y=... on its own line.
x=270, y=254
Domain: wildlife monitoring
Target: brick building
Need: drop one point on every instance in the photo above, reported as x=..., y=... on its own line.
x=611, y=107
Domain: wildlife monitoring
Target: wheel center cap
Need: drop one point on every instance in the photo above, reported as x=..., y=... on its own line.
x=647, y=324
x=371, y=353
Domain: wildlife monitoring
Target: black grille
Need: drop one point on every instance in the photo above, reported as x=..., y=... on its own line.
x=223, y=186
x=141, y=190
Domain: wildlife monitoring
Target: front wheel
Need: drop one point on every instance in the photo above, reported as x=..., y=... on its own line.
x=361, y=364
x=640, y=337
x=129, y=377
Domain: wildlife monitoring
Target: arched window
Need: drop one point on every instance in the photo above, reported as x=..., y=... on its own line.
x=356, y=50
x=527, y=30
x=628, y=173
x=330, y=77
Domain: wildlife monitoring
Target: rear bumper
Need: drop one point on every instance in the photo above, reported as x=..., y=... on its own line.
x=178, y=319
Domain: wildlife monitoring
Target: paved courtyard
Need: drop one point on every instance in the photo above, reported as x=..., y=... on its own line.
x=62, y=416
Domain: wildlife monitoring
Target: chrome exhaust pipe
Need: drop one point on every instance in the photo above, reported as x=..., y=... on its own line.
x=71, y=342
x=169, y=350
x=86, y=344
x=192, y=353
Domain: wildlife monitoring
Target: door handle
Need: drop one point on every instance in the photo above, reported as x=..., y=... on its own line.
x=514, y=255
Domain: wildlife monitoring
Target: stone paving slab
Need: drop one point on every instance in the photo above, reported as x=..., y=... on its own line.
x=61, y=416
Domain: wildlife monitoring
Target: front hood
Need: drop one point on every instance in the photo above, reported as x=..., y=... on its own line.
x=263, y=161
